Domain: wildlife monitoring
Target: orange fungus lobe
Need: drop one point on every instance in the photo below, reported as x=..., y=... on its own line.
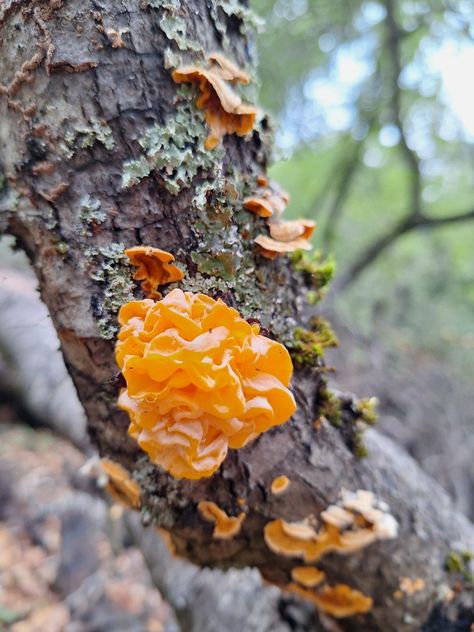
x=199, y=380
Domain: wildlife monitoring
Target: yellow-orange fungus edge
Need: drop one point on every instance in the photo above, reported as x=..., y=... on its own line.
x=199, y=380
x=154, y=268
x=339, y=601
x=225, y=527
x=307, y=576
x=121, y=487
x=279, y=484
x=223, y=108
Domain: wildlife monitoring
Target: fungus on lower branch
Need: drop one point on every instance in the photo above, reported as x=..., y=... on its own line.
x=225, y=527
x=155, y=268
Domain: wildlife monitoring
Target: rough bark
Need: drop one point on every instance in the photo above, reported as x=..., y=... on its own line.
x=81, y=84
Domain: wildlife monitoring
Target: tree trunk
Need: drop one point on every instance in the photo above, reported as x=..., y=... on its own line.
x=82, y=84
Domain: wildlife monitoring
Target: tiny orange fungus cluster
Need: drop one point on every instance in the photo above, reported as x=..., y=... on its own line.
x=154, y=268
x=224, y=110
x=225, y=527
x=355, y=522
x=285, y=236
x=119, y=485
x=199, y=380
x=279, y=484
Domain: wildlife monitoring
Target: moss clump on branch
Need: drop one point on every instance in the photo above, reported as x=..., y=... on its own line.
x=308, y=345
x=317, y=273
x=458, y=562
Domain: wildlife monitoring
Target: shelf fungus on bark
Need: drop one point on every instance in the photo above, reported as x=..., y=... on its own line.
x=199, y=380
x=120, y=485
x=224, y=110
x=339, y=601
x=225, y=527
x=359, y=519
x=269, y=200
x=154, y=268
x=279, y=485
x=307, y=576
x=271, y=248
x=350, y=526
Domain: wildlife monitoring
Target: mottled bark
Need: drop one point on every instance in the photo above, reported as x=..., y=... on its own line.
x=82, y=82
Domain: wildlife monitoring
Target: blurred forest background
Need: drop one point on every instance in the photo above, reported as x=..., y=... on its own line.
x=374, y=118
x=373, y=108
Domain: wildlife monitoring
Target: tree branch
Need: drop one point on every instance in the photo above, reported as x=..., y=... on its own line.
x=381, y=244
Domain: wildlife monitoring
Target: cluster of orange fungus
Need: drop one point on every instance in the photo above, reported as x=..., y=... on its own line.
x=279, y=485
x=339, y=601
x=358, y=521
x=285, y=236
x=119, y=485
x=224, y=110
x=154, y=268
x=225, y=527
x=199, y=380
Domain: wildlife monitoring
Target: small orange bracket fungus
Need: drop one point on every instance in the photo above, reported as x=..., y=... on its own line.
x=339, y=601
x=225, y=527
x=119, y=485
x=357, y=522
x=268, y=201
x=308, y=576
x=154, y=268
x=271, y=248
x=279, y=485
x=199, y=380
x=291, y=230
x=224, y=111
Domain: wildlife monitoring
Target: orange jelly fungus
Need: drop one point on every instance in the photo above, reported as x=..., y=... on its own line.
x=338, y=601
x=279, y=484
x=154, y=268
x=199, y=380
x=225, y=526
x=307, y=576
x=288, y=231
x=120, y=486
x=224, y=111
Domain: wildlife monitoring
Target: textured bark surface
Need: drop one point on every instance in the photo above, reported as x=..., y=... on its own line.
x=82, y=82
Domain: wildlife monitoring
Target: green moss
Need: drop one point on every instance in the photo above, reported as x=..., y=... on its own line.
x=308, y=345
x=112, y=275
x=366, y=410
x=458, y=562
x=317, y=273
x=329, y=406
x=175, y=150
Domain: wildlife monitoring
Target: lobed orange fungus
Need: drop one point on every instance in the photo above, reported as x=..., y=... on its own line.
x=279, y=484
x=338, y=601
x=120, y=486
x=154, y=268
x=291, y=230
x=199, y=380
x=307, y=576
x=271, y=248
x=224, y=111
x=360, y=521
x=225, y=526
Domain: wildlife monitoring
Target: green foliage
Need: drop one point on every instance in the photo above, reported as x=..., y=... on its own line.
x=458, y=562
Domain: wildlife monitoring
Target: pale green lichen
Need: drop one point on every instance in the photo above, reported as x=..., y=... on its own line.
x=91, y=210
x=112, y=275
x=175, y=150
x=171, y=59
x=84, y=137
x=174, y=25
